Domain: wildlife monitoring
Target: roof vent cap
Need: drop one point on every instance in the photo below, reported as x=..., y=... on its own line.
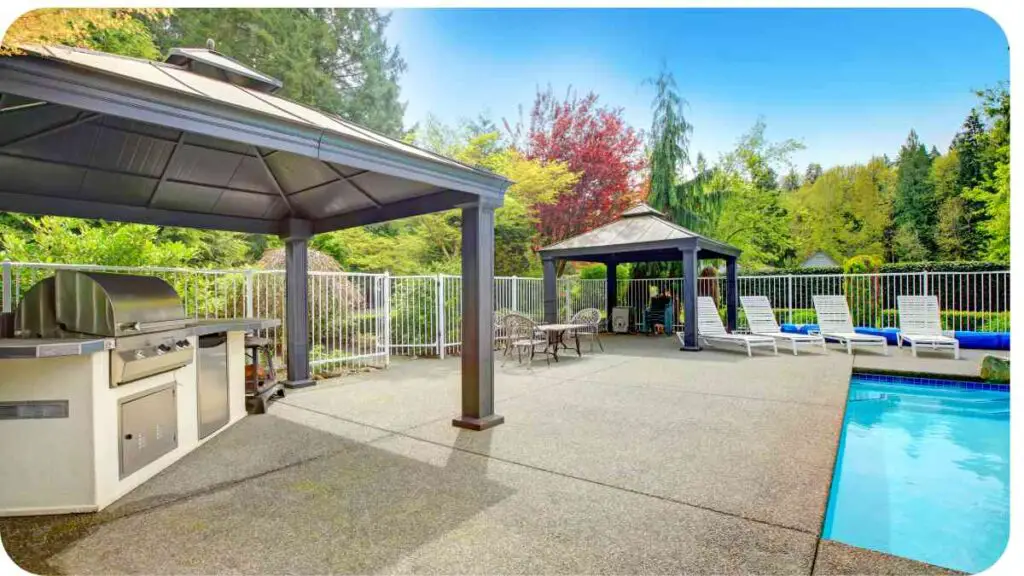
x=641, y=209
x=212, y=64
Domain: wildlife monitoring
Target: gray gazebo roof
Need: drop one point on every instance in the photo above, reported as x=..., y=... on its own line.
x=96, y=135
x=640, y=234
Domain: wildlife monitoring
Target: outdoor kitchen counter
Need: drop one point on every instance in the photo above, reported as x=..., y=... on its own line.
x=51, y=347
x=215, y=325
x=54, y=347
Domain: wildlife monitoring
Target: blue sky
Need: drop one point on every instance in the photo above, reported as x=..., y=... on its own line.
x=849, y=84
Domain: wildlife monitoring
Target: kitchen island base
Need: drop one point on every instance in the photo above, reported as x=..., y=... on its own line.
x=70, y=442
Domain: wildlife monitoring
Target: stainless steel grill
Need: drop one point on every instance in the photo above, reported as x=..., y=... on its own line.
x=143, y=315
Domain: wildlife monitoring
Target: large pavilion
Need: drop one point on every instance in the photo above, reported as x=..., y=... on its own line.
x=201, y=141
x=642, y=234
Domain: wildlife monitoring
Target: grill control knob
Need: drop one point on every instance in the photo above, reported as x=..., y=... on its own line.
x=139, y=354
x=180, y=344
x=163, y=349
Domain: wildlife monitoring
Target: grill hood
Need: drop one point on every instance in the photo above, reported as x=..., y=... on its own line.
x=115, y=305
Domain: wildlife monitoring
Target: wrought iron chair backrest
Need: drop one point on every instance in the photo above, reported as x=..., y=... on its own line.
x=519, y=327
x=589, y=316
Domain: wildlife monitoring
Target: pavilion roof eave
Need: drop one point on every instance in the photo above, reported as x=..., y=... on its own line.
x=608, y=252
x=68, y=85
x=663, y=250
x=720, y=248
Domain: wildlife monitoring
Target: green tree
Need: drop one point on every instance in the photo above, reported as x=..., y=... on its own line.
x=907, y=246
x=914, y=206
x=791, y=181
x=969, y=144
x=753, y=216
x=813, y=173
x=845, y=211
x=335, y=59
x=76, y=241
x=117, y=30
x=670, y=154
x=993, y=192
x=956, y=236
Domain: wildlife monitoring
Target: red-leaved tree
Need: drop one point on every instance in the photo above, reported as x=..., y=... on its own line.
x=596, y=143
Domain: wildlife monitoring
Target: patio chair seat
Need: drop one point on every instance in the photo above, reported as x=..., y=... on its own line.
x=834, y=322
x=920, y=325
x=710, y=329
x=761, y=319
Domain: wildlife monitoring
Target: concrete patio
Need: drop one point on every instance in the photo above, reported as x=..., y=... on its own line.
x=639, y=459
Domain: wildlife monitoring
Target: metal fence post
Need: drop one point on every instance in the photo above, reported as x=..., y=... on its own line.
x=248, y=294
x=440, y=317
x=567, y=286
x=387, y=318
x=515, y=294
x=7, y=293
x=789, y=296
x=924, y=282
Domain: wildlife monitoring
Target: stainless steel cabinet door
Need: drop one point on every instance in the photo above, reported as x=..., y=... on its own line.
x=213, y=383
x=149, y=428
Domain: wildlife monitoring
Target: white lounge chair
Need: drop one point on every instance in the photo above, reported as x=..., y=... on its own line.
x=761, y=320
x=710, y=329
x=920, y=325
x=834, y=322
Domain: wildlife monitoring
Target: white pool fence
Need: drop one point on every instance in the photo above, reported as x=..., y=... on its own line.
x=362, y=319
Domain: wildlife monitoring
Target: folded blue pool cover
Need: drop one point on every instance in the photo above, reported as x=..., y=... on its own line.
x=968, y=339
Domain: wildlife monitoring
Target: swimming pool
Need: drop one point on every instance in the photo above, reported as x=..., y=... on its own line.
x=923, y=471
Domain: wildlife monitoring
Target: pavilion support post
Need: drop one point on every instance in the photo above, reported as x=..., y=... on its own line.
x=296, y=234
x=550, y=292
x=690, y=300
x=478, y=319
x=611, y=292
x=732, y=295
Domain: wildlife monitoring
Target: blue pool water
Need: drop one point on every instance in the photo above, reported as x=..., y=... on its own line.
x=923, y=472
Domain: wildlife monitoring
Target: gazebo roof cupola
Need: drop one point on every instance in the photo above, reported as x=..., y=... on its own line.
x=212, y=64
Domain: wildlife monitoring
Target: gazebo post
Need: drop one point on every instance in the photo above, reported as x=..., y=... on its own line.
x=478, y=319
x=690, y=299
x=296, y=234
x=550, y=291
x=732, y=296
x=611, y=291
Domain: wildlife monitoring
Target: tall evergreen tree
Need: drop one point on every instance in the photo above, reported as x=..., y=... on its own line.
x=969, y=144
x=670, y=154
x=960, y=218
x=914, y=207
x=994, y=189
x=336, y=59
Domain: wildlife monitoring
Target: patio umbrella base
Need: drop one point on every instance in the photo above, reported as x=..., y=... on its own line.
x=471, y=423
x=299, y=383
x=691, y=348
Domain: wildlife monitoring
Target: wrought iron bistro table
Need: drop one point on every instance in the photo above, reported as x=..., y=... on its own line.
x=556, y=337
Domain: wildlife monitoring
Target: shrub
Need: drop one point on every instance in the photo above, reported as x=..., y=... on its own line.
x=889, y=268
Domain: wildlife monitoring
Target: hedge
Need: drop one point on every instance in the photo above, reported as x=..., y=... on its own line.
x=889, y=268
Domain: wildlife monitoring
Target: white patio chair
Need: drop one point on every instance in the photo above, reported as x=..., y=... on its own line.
x=523, y=336
x=834, y=322
x=592, y=318
x=711, y=330
x=920, y=325
x=761, y=320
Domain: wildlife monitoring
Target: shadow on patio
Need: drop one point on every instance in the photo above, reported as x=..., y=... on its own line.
x=310, y=502
x=638, y=459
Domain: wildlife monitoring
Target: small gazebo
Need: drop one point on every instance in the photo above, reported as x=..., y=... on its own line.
x=642, y=234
